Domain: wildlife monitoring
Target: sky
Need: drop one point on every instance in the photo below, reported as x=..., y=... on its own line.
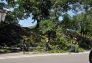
x=27, y=22
x=3, y=1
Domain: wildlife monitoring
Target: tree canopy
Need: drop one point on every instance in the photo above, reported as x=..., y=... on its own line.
x=40, y=9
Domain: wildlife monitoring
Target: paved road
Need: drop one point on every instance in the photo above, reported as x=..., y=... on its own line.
x=46, y=58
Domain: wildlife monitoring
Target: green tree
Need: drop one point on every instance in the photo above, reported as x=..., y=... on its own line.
x=42, y=11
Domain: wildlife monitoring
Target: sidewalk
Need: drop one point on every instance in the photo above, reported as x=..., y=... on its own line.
x=33, y=54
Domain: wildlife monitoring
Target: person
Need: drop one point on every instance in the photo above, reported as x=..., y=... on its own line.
x=24, y=47
x=90, y=56
x=47, y=46
x=73, y=47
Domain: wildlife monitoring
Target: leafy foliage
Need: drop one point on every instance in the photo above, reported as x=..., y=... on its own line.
x=46, y=12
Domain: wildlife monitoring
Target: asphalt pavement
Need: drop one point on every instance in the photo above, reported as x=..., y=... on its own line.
x=45, y=58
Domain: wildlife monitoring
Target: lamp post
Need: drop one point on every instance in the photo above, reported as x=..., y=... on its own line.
x=2, y=15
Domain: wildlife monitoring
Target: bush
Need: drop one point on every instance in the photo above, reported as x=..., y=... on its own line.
x=39, y=49
x=56, y=51
x=4, y=51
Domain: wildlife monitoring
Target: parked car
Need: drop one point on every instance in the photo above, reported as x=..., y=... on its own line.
x=90, y=56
